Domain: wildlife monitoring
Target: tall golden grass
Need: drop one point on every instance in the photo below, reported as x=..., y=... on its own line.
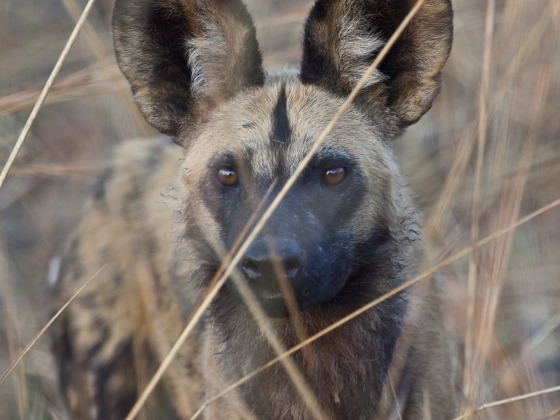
x=484, y=164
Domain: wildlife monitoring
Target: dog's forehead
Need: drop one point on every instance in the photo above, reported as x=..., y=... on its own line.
x=278, y=124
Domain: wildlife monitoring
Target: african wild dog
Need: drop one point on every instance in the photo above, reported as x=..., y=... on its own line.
x=345, y=234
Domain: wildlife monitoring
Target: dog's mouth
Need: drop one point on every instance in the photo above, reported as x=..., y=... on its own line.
x=271, y=301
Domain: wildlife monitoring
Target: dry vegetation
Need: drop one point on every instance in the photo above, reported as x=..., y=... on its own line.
x=503, y=299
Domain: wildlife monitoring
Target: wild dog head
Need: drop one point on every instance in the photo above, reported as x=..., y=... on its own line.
x=196, y=74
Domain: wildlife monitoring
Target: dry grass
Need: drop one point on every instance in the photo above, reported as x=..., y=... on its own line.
x=510, y=99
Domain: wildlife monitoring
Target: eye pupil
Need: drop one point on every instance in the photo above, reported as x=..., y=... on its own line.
x=228, y=177
x=334, y=176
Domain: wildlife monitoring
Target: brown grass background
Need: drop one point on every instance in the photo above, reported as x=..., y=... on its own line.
x=513, y=346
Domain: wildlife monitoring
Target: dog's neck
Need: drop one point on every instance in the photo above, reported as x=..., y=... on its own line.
x=345, y=369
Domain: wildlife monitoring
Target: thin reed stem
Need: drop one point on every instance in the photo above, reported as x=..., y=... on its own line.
x=264, y=324
x=470, y=380
x=101, y=54
x=91, y=81
x=12, y=334
x=39, y=335
x=45, y=92
x=510, y=400
x=287, y=293
x=513, y=210
x=532, y=40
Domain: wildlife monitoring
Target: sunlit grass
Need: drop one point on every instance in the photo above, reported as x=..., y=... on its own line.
x=516, y=301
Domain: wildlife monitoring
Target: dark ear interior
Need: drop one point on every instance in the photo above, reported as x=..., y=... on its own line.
x=343, y=37
x=182, y=57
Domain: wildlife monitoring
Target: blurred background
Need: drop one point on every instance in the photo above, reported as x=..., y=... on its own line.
x=511, y=336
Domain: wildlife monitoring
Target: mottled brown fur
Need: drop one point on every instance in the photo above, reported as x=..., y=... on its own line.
x=196, y=74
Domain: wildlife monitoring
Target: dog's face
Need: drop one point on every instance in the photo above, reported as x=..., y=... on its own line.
x=343, y=197
x=196, y=73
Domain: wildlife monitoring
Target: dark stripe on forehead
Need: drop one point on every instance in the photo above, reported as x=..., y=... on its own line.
x=280, y=123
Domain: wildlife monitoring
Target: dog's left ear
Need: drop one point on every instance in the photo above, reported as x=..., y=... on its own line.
x=343, y=37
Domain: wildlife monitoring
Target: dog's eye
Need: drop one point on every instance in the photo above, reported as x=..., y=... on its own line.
x=228, y=177
x=333, y=176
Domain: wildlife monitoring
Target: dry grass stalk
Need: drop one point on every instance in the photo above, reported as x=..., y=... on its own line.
x=13, y=336
x=212, y=290
x=535, y=407
x=88, y=82
x=547, y=18
x=542, y=334
x=102, y=55
x=289, y=297
x=394, y=395
x=20, y=382
x=551, y=415
x=40, y=334
x=510, y=400
x=427, y=412
x=470, y=384
x=434, y=226
x=264, y=324
x=45, y=92
x=51, y=170
x=510, y=211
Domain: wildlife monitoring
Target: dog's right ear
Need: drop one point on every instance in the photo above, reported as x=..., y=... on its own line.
x=183, y=57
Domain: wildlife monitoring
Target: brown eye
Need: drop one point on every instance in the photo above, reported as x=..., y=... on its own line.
x=334, y=176
x=228, y=177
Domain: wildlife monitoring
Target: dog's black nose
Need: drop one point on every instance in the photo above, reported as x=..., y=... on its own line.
x=265, y=261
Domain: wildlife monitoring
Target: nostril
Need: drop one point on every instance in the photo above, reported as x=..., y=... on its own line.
x=251, y=268
x=263, y=263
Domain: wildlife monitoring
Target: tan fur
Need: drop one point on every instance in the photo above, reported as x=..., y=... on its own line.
x=128, y=299
x=158, y=223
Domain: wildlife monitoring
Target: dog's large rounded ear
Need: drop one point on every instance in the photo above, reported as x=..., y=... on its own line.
x=343, y=37
x=182, y=57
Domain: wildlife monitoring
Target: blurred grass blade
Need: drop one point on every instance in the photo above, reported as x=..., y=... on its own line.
x=469, y=387
x=45, y=92
x=28, y=347
x=510, y=400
